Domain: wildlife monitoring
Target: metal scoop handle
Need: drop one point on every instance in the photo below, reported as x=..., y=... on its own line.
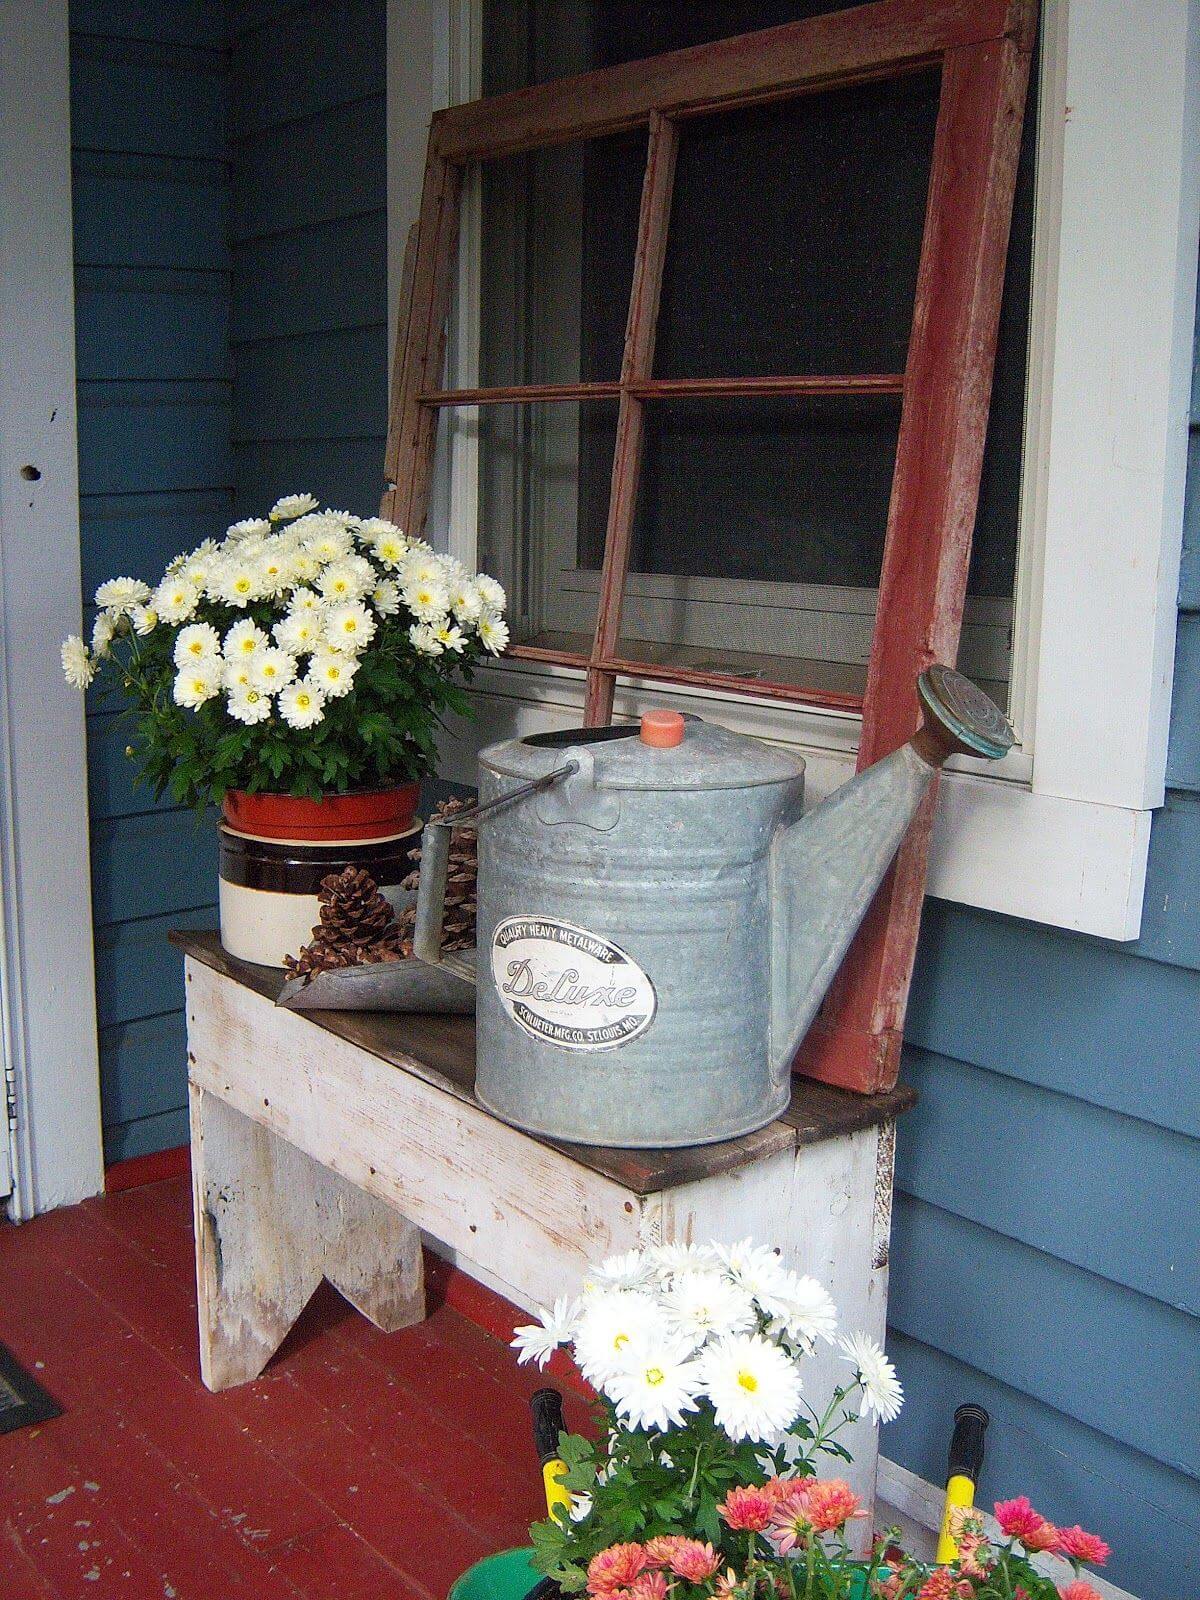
x=435, y=861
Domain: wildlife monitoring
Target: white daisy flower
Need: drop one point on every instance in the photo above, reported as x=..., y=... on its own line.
x=103, y=631
x=808, y=1311
x=537, y=1341
x=328, y=542
x=385, y=597
x=422, y=565
x=427, y=599
x=248, y=704
x=759, y=1271
x=302, y=704
x=424, y=639
x=307, y=601
x=176, y=598
x=611, y=1323
x=450, y=637
x=704, y=1304
x=882, y=1391
x=300, y=632
x=491, y=595
x=333, y=671
x=196, y=682
x=237, y=675
x=199, y=641
x=493, y=633
x=305, y=565
x=371, y=527
x=197, y=567
x=388, y=546
x=348, y=579
x=349, y=626
x=271, y=669
x=292, y=505
x=631, y=1269
x=346, y=518
x=656, y=1386
x=144, y=620
x=122, y=594
x=465, y=601
x=248, y=527
x=753, y=1385
x=236, y=580
x=78, y=667
x=669, y=1259
x=244, y=639
x=274, y=568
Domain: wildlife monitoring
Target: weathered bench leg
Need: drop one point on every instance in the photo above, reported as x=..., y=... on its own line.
x=270, y=1224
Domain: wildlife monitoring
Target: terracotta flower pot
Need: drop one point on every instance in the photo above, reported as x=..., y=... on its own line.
x=275, y=850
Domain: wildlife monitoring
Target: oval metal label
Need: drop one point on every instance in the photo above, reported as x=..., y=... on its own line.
x=569, y=987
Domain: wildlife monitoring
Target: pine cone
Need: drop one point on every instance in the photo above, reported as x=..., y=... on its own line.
x=357, y=925
x=458, y=926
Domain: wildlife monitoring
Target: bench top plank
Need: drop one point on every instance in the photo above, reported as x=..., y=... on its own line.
x=440, y=1050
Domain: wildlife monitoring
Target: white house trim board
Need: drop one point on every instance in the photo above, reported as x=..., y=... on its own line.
x=1060, y=832
x=46, y=983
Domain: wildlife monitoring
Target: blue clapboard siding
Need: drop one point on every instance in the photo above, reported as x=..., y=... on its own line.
x=149, y=88
x=1046, y=1248
x=309, y=251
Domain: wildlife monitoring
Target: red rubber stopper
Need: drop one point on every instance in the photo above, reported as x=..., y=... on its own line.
x=662, y=729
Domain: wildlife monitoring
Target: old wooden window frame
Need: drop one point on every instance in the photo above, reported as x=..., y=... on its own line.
x=983, y=49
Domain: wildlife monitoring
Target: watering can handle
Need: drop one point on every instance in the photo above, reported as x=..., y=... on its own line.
x=435, y=860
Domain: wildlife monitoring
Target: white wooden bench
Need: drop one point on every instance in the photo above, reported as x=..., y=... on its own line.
x=325, y=1143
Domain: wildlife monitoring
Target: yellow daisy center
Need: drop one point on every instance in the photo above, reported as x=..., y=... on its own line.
x=748, y=1381
x=655, y=1376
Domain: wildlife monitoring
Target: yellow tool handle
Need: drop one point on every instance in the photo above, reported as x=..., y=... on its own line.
x=558, y=1499
x=960, y=1491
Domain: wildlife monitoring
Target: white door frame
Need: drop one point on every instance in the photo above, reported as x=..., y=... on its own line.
x=47, y=983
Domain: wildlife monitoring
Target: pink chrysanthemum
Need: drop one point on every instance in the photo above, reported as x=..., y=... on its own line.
x=649, y=1586
x=1080, y=1545
x=830, y=1503
x=747, y=1509
x=660, y=1549
x=1079, y=1591
x=790, y=1521
x=939, y=1585
x=1019, y=1520
x=694, y=1561
x=973, y=1553
x=615, y=1568
x=727, y=1585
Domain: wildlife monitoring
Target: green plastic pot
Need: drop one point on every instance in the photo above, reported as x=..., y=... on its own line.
x=508, y=1575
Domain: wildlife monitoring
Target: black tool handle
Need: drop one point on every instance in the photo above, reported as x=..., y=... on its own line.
x=547, y=1409
x=966, y=1443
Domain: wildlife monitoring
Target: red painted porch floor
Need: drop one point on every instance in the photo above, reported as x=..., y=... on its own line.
x=361, y=1464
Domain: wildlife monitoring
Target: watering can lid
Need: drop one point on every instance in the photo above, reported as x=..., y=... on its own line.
x=707, y=757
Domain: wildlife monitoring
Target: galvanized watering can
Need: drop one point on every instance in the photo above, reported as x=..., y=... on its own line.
x=658, y=922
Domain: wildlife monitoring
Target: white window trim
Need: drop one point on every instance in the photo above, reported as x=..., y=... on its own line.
x=48, y=1004
x=1060, y=833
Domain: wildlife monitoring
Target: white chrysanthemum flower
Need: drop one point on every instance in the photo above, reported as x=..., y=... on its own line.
x=247, y=704
x=274, y=568
x=333, y=671
x=306, y=601
x=427, y=599
x=424, y=639
x=236, y=580
x=704, y=1304
x=271, y=669
x=199, y=641
x=103, y=631
x=808, y=1311
x=759, y=1271
x=197, y=567
x=244, y=639
x=388, y=545
x=347, y=579
x=305, y=566
x=371, y=527
x=196, y=682
x=237, y=675
x=493, y=633
x=300, y=632
x=292, y=505
x=302, y=704
x=631, y=1269
x=422, y=565
x=465, y=602
x=537, y=1341
x=144, y=620
x=349, y=627
x=176, y=598
x=346, y=518
x=78, y=667
x=450, y=637
x=753, y=1385
x=247, y=528
x=385, y=597
x=610, y=1323
x=656, y=1385
x=670, y=1259
x=328, y=541
x=491, y=594
x=882, y=1391
x=122, y=594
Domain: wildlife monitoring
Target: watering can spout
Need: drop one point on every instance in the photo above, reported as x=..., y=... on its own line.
x=827, y=864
